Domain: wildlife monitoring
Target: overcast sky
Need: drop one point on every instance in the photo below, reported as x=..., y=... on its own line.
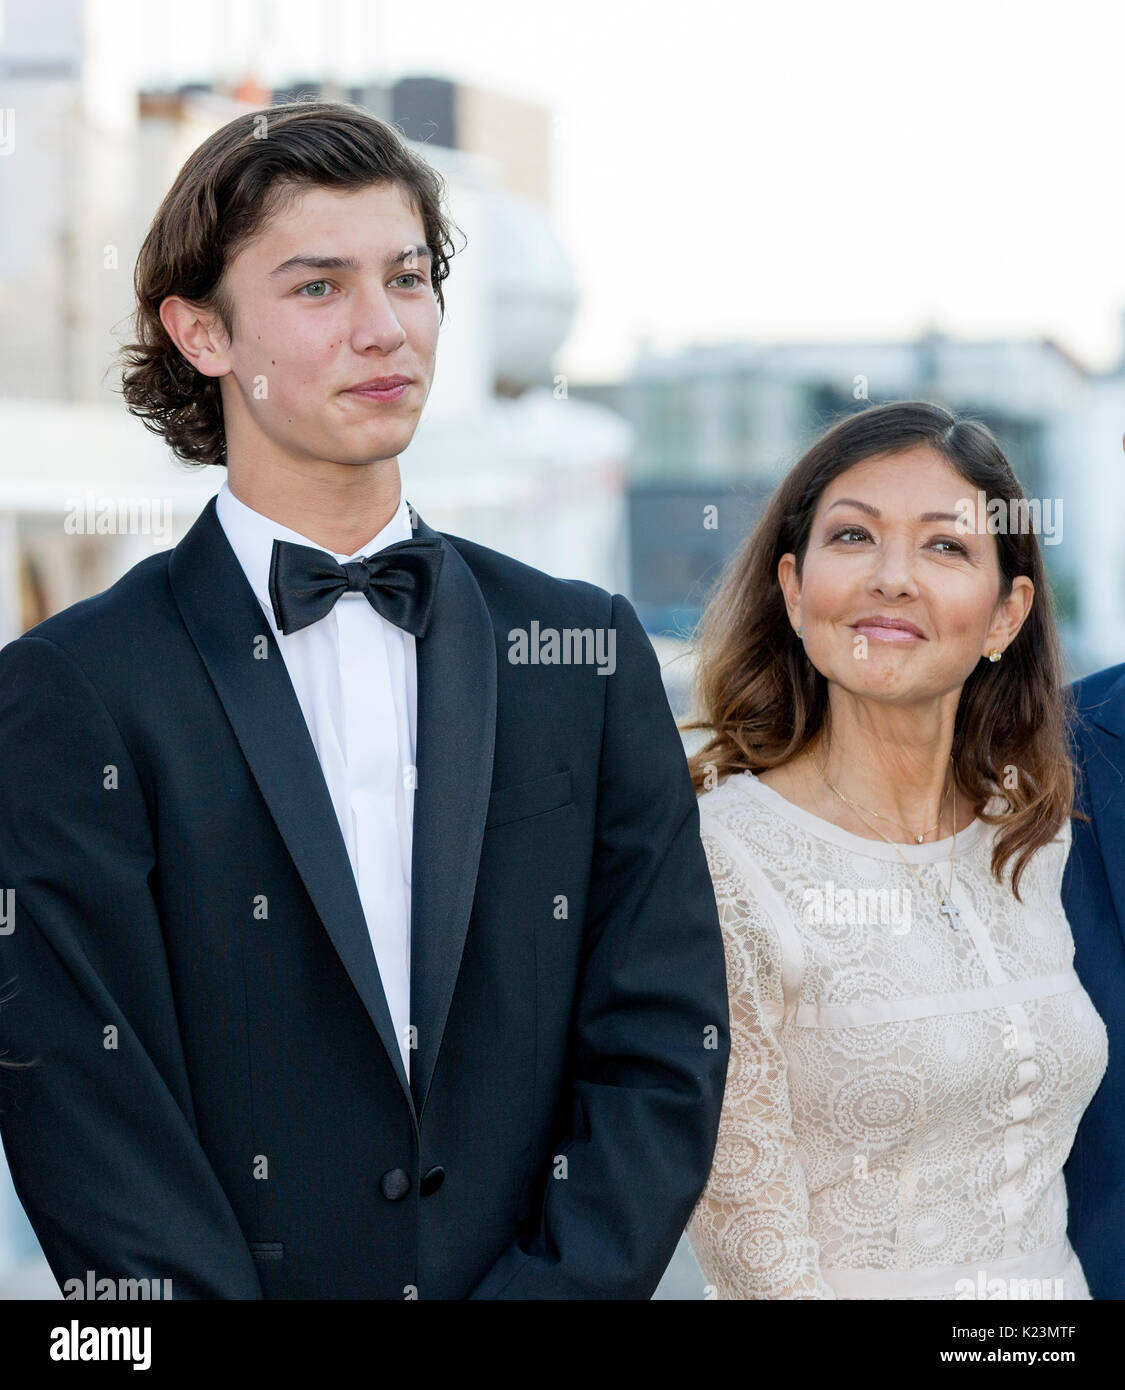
x=806, y=170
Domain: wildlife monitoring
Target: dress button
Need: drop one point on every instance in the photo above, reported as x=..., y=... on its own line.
x=395, y=1184
x=432, y=1179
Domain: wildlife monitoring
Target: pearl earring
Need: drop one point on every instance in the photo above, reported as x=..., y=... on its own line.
x=995, y=655
x=798, y=632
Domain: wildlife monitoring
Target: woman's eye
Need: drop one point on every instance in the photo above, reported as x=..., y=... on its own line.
x=312, y=285
x=955, y=547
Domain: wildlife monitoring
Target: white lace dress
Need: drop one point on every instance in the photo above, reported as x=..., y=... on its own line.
x=902, y=1093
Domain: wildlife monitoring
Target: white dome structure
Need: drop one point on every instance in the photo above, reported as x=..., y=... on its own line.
x=531, y=288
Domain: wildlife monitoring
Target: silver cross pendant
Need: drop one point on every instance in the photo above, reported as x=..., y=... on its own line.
x=951, y=910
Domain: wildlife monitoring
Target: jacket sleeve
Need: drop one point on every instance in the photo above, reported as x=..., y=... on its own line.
x=95, y=1106
x=1094, y=1171
x=750, y=1230
x=649, y=1039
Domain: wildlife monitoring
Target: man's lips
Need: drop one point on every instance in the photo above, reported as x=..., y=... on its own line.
x=388, y=388
x=889, y=630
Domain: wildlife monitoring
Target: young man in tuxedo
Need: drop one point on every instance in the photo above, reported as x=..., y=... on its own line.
x=354, y=955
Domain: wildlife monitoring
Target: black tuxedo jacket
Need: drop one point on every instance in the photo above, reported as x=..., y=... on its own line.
x=216, y=1095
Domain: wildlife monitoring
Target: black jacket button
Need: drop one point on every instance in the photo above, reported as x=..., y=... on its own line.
x=395, y=1184
x=432, y=1179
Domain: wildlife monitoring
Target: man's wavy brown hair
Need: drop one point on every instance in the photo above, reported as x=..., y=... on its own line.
x=239, y=178
x=763, y=702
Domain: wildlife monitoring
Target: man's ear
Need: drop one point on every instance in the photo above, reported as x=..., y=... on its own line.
x=197, y=334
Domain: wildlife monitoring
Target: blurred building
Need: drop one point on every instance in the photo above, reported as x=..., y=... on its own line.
x=513, y=136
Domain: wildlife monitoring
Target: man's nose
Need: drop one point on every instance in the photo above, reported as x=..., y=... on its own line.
x=377, y=323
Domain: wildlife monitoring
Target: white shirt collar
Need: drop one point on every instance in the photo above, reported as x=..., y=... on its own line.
x=251, y=536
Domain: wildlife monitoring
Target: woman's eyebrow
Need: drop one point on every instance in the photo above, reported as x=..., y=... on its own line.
x=874, y=511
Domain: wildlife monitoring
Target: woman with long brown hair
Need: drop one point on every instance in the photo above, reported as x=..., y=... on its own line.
x=884, y=796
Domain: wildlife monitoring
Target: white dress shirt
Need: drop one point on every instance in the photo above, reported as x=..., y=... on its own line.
x=356, y=679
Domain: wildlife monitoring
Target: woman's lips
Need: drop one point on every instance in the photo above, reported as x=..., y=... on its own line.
x=887, y=634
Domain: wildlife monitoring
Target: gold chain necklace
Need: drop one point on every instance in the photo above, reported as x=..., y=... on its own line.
x=918, y=839
x=945, y=900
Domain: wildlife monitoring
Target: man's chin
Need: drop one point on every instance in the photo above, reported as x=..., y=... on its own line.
x=354, y=460
x=378, y=440
x=358, y=449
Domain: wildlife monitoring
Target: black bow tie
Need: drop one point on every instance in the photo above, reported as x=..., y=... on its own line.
x=399, y=582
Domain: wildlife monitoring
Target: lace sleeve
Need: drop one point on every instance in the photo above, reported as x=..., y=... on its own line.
x=749, y=1230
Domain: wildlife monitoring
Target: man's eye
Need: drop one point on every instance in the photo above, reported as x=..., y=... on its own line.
x=848, y=531
x=409, y=275
x=312, y=285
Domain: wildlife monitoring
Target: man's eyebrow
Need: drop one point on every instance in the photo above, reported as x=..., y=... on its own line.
x=875, y=512
x=305, y=261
